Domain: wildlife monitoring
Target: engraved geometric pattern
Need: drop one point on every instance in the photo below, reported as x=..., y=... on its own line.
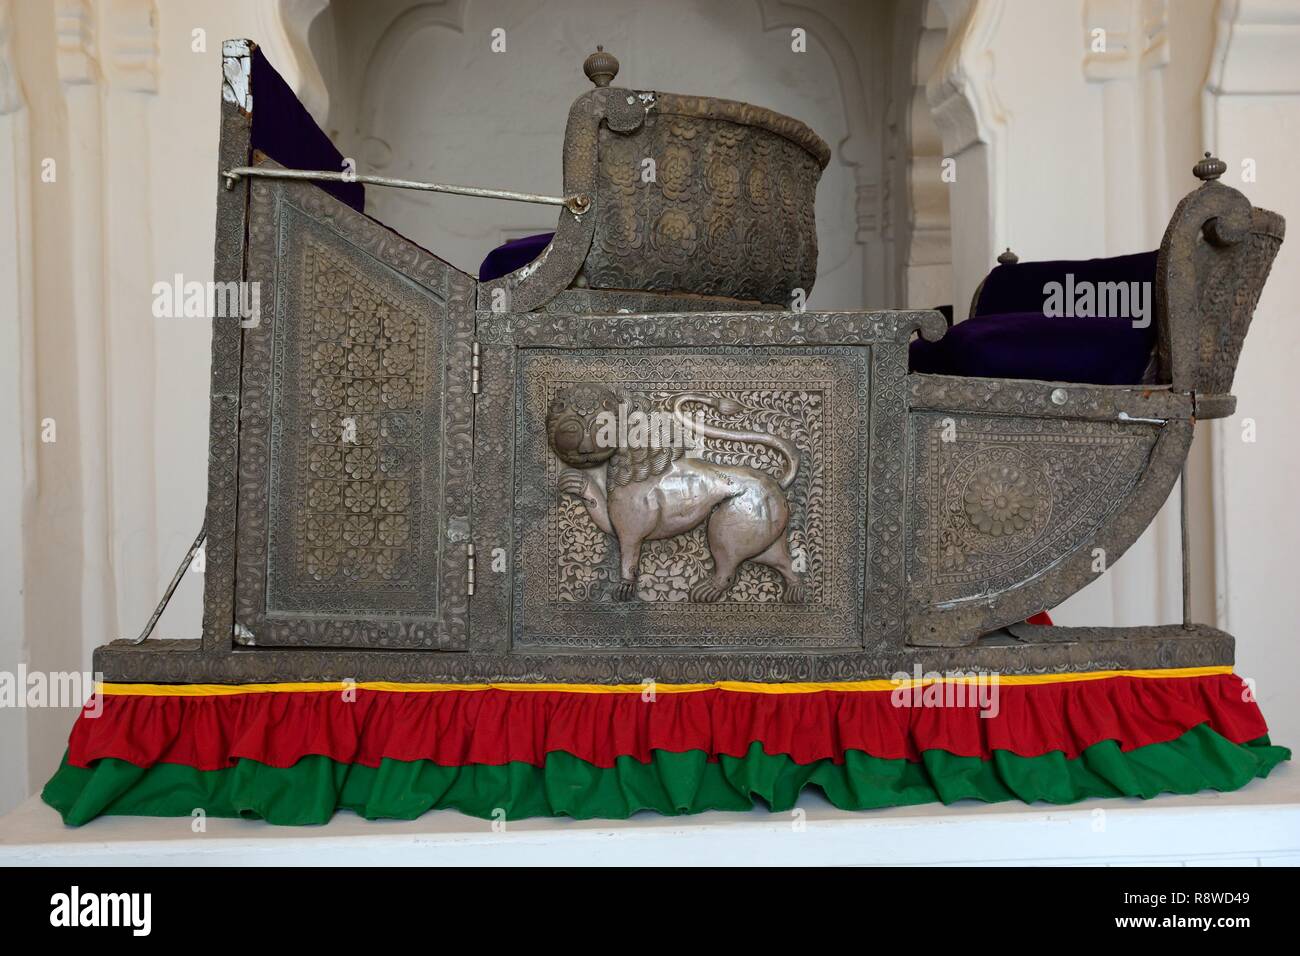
x=570, y=567
x=349, y=470
x=361, y=360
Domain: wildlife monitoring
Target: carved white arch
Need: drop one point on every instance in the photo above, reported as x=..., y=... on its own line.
x=964, y=100
x=378, y=74
x=856, y=149
x=918, y=215
x=282, y=33
x=961, y=91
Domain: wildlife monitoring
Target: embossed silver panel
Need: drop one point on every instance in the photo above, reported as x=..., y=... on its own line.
x=355, y=450
x=729, y=211
x=568, y=590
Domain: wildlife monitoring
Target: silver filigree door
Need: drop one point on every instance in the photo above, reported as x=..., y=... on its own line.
x=356, y=430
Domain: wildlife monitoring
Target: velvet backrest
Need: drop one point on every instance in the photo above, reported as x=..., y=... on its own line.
x=1019, y=287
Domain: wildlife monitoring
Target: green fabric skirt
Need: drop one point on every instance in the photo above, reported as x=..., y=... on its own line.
x=315, y=787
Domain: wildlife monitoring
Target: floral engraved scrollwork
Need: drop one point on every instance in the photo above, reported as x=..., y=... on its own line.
x=354, y=330
x=740, y=194
x=354, y=432
x=1000, y=500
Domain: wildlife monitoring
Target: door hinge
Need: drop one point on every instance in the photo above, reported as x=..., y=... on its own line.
x=474, y=370
x=469, y=568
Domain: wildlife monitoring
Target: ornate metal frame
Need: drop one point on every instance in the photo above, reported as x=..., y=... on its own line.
x=944, y=509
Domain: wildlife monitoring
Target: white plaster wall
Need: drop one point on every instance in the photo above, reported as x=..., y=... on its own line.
x=16, y=459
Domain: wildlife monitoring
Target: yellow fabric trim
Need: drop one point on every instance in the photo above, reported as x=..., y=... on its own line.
x=1009, y=680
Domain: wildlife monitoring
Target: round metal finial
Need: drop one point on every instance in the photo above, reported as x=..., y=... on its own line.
x=600, y=67
x=1008, y=258
x=1211, y=167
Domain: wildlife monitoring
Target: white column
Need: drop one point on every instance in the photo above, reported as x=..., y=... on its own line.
x=1252, y=116
x=129, y=45
x=17, y=380
x=973, y=122
x=81, y=176
x=921, y=240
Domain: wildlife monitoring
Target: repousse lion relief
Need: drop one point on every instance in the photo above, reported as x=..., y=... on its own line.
x=644, y=491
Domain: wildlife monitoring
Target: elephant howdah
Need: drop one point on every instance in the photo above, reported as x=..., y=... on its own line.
x=636, y=456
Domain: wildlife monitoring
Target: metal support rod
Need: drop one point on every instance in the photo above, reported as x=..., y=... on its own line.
x=1187, y=557
x=171, y=588
x=575, y=204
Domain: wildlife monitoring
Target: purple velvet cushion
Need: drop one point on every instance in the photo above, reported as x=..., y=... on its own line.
x=285, y=131
x=513, y=254
x=1018, y=287
x=1009, y=336
x=1096, y=351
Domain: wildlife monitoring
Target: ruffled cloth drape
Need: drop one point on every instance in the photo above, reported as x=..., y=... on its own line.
x=296, y=753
